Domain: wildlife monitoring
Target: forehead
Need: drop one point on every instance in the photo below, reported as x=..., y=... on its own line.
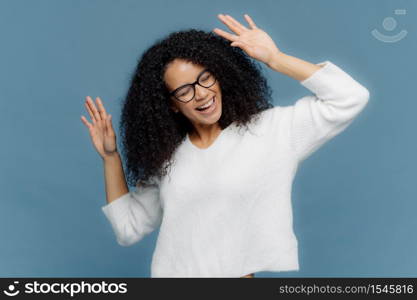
x=180, y=72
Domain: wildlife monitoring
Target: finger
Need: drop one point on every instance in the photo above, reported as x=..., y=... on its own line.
x=94, y=109
x=101, y=109
x=90, y=112
x=250, y=22
x=226, y=35
x=109, y=126
x=86, y=123
x=232, y=26
x=89, y=125
x=241, y=45
x=236, y=23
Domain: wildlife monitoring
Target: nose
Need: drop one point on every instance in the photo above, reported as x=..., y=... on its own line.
x=201, y=92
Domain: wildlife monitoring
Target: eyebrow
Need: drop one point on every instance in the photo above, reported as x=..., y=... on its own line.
x=198, y=77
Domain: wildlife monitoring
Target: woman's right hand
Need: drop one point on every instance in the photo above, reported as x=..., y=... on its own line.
x=101, y=129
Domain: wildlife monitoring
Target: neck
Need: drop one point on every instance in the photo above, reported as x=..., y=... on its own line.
x=205, y=135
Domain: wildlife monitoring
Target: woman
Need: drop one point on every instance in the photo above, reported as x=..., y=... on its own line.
x=221, y=195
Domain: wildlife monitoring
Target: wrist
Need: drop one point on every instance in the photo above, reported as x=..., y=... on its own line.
x=111, y=156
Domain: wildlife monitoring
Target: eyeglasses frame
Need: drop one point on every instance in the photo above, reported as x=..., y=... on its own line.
x=193, y=86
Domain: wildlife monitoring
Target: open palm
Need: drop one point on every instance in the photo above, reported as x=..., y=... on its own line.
x=101, y=130
x=254, y=41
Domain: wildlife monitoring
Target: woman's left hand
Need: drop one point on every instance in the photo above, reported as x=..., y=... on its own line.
x=254, y=41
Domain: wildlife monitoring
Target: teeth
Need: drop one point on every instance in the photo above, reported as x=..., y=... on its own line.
x=207, y=104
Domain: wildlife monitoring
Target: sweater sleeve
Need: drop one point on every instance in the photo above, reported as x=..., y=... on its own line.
x=315, y=119
x=135, y=214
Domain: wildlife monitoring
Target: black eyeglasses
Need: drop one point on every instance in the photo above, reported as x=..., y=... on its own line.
x=186, y=92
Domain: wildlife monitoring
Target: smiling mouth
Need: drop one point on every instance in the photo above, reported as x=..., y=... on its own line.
x=208, y=108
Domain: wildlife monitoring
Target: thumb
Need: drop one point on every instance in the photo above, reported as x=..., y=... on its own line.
x=109, y=126
x=241, y=45
x=236, y=44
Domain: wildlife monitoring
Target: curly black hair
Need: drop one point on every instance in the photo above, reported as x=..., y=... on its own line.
x=151, y=131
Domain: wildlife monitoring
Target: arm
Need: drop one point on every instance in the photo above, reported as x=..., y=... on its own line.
x=314, y=119
x=131, y=214
x=114, y=177
x=292, y=66
x=134, y=214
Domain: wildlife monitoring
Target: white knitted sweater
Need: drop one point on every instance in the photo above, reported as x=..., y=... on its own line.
x=225, y=211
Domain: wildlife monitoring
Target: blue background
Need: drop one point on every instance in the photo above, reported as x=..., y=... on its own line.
x=354, y=200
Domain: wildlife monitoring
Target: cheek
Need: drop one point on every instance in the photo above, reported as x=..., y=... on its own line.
x=187, y=110
x=176, y=105
x=218, y=90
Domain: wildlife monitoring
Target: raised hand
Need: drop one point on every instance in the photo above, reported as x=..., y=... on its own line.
x=254, y=41
x=101, y=129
